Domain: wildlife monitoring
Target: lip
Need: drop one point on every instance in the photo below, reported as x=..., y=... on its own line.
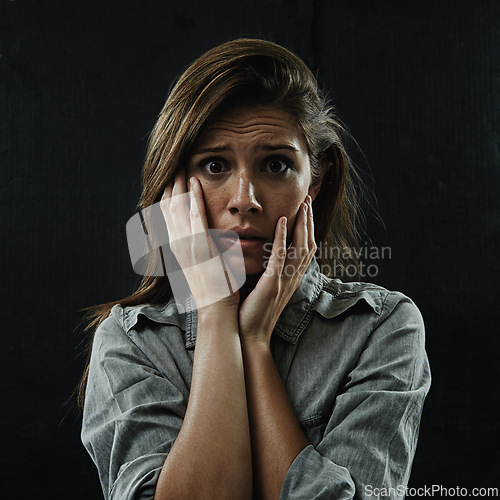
x=247, y=232
x=249, y=238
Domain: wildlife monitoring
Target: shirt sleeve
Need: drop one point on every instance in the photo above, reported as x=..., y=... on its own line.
x=132, y=415
x=369, y=442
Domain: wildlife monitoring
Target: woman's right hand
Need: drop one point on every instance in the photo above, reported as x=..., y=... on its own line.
x=200, y=261
x=214, y=438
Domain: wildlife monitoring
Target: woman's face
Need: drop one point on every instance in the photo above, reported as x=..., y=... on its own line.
x=253, y=166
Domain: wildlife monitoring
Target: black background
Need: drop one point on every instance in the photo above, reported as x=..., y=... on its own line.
x=81, y=84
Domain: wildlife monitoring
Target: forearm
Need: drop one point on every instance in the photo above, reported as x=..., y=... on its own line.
x=211, y=457
x=277, y=438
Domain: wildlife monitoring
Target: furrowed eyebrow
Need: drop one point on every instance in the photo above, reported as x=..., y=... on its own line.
x=264, y=147
x=278, y=147
x=200, y=151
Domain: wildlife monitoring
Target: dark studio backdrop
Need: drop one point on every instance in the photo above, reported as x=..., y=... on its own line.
x=81, y=84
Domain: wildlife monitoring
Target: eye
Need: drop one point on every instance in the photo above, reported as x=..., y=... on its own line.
x=213, y=166
x=278, y=165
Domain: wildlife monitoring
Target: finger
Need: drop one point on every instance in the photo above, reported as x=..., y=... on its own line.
x=306, y=246
x=299, y=248
x=179, y=206
x=278, y=254
x=305, y=250
x=165, y=204
x=311, y=244
x=197, y=213
x=165, y=198
x=167, y=192
x=310, y=227
x=303, y=237
x=170, y=206
x=180, y=186
x=202, y=243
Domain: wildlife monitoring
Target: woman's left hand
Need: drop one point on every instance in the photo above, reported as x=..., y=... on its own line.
x=260, y=311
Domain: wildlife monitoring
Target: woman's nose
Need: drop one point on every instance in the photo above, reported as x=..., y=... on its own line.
x=243, y=199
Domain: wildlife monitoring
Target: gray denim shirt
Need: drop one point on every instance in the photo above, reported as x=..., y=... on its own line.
x=351, y=357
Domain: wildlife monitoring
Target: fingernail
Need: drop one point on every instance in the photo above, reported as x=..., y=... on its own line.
x=283, y=221
x=191, y=181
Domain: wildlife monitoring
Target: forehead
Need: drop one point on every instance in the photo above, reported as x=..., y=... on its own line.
x=253, y=124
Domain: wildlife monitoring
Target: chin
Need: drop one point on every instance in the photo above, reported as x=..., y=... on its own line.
x=248, y=265
x=253, y=266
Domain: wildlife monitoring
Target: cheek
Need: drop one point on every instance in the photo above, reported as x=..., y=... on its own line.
x=291, y=211
x=289, y=206
x=214, y=203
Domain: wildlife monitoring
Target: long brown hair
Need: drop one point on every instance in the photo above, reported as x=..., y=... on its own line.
x=245, y=71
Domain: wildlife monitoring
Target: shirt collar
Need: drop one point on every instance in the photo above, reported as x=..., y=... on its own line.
x=291, y=323
x=297, y=313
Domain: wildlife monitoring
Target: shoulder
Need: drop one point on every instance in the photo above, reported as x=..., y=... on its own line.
x=381, y=328
x=130, y=327
x=141, y=339
x=366, y=314
x=338, y=297
x=127, y=318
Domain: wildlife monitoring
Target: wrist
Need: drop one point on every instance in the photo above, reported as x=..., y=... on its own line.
x=255, y=346
x=218, y=316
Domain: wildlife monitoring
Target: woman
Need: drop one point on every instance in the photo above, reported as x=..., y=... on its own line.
x=298, y=385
